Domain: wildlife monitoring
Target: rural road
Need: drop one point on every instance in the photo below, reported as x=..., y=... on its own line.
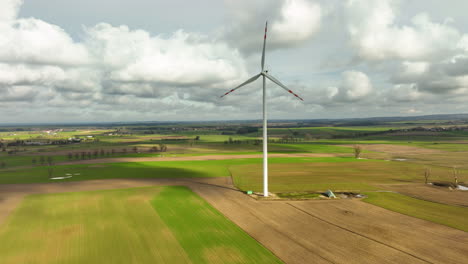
x=341, y=231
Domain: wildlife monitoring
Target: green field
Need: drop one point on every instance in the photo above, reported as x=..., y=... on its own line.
x=286, y=174
x=157, y=169
x=453, y=216
x=140, y=225
x=101, y=150
x=446, y=146
x=344, y=174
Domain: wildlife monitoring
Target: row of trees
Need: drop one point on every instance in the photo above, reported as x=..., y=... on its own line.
x=43, y=160
x=11, y=150
x=87, y=155
x=82, y=155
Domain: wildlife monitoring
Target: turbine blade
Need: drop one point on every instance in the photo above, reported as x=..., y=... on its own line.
x=273, y=79
x=242, y=84
x=264, y=43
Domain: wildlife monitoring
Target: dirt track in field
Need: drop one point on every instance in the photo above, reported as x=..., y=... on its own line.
x=204, y=157
x=341, y=231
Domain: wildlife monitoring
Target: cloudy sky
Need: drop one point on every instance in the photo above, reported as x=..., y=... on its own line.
x=139, y=60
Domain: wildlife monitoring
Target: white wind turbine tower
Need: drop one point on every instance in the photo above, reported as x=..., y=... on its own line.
x=264, y=74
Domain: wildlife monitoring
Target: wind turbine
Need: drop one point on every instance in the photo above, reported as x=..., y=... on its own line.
x=264, y=74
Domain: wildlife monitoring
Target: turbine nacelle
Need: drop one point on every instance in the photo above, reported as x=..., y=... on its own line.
x=264, y=73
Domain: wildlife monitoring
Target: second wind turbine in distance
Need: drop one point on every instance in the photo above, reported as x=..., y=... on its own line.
x=264, y=74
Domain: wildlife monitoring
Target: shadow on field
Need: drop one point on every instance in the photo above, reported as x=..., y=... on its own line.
x=111, y=171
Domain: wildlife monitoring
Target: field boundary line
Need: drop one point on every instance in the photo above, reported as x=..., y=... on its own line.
x=356, y=233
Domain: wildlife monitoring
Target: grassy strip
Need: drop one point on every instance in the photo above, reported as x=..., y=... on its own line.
x=448, y=215
x=204, y=233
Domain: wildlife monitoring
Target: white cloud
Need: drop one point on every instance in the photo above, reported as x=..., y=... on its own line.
x=182, y=59
x=109, y=60
x=37, y=42
x=415, y=68
x=18, y=74
x=114, y=65
x=411, y=111
x=9, y=10
x=291, y=23
x=354, y=86
x=405, y=93
x=457, y=65
x=376, y=35
x=432, y=57
x=33, y=41
x=410, y=71
x=416, y=58
x=300, y=20
x=449, y=76
x=331, y=92
x=18, y=93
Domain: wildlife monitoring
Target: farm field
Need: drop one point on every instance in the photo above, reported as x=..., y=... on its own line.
x=430, y=193
x=347, y=175
x=149, y=169
x=351, y=231
x=143, y=225
x=220, y=163
x=449, y=215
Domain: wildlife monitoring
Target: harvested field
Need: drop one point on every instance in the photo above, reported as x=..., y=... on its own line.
x=421, y=241
x=319, y=176
x=431, y=193
x=445, y=159
x=444, y=214
x=343, y=231
x=421, y=155
x=397, y=149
